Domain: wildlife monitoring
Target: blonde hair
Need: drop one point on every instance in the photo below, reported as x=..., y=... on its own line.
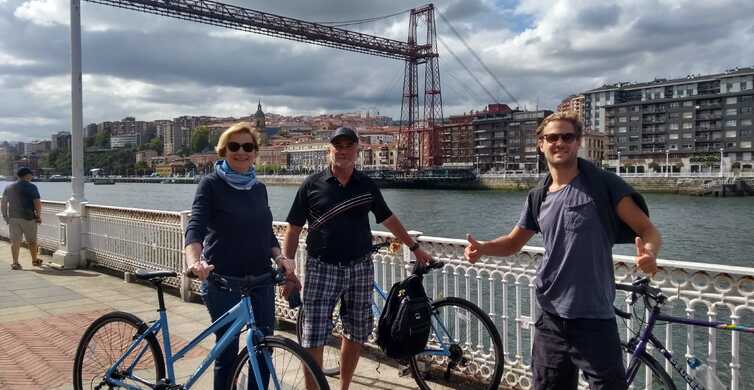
x=567, y=116
x=240, y=127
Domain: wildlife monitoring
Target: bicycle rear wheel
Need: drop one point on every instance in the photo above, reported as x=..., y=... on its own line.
x=291, y=365
x=472, y=355
x=651, y=374
x=105, y=341
x=331, y=353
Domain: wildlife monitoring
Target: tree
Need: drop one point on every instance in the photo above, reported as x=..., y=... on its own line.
x=102, y=140
x=199, y=139
x=142, y=168
x=153, y=144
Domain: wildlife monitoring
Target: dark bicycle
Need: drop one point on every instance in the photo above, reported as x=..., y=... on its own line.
x=637, y=346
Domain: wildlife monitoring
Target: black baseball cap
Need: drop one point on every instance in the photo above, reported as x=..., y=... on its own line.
x=23, y=172
x=346, y=132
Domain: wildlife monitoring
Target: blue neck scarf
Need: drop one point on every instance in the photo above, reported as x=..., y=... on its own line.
x=239, y=181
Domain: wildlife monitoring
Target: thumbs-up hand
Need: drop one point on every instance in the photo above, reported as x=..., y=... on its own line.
x=646, y=260
x=473, y=251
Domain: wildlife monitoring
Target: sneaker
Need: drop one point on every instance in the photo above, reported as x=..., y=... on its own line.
x=16, y=266
x=36, y=263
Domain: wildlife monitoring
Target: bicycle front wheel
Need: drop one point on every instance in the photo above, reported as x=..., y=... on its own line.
x=292, y=366
x=105, y=341
x=650, y=374
x=464, y=350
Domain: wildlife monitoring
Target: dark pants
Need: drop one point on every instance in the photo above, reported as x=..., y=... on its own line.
x=563, y=346
x=218, y=302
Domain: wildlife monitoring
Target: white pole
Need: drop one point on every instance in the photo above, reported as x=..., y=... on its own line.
x=77, y=141
x=68, y=253
x=667, y=162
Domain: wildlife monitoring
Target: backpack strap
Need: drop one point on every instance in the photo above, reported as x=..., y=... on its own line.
x=537, y=196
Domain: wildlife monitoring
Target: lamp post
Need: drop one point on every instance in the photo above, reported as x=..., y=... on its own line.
x=667, y=162
x=619, y=163
x=721, y=162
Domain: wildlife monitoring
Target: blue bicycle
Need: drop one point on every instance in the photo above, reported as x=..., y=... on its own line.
x=464, y=351
x=118, y=350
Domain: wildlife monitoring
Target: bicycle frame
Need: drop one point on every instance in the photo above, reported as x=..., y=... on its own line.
x=241, y=314
x=646, y=336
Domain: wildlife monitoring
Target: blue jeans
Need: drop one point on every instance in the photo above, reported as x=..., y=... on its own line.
x=218, y=302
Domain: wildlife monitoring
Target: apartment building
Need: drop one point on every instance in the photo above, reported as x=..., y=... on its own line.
x=505, y=142
x=685, y=117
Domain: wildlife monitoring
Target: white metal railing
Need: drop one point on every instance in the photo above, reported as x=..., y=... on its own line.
x=127, y=239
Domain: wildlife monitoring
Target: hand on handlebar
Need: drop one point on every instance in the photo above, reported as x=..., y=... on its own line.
x=200, y=269
x=422, y=258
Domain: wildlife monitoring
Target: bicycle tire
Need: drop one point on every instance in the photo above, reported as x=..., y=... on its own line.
x=474, y=372
x=123, y=328
x=659, y=375
x=331, y=353
x=271, y=343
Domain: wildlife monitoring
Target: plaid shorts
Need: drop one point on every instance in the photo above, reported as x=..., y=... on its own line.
x=324, y=285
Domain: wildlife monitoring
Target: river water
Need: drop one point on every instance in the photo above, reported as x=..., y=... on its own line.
x=710, y=230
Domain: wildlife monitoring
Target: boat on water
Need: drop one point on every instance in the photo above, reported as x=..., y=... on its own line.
x=102, y=180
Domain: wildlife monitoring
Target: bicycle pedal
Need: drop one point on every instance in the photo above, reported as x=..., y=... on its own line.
x=403, y=370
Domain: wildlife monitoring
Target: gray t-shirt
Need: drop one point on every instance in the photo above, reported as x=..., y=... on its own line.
x=576, y=277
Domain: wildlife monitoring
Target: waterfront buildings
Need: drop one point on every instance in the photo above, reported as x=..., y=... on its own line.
x=699, y=118
x=306, y=157
x=60, y=141
x=505, y=141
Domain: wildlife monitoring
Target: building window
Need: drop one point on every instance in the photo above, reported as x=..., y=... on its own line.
x=745, y=122
x=689, y=92
x=673, y=147
x=635, y=108
x=673, y=126
x=745, y=144
x=728, y=86
x=622, y=129
x=716, y=135
x=730, y=123
x=687, y=135
x=742, y=85
x=731, y=100
x=688, y=103
x=623, y=119
x=688, y=115
x=745, y=133
x=730, y=111
x=675, y=104
x=730, y=134
x=745, y=110
x=688, y=125
x=672, y=136
x=634, y=118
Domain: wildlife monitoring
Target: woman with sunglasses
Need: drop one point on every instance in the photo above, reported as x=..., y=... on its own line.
x=230, y=232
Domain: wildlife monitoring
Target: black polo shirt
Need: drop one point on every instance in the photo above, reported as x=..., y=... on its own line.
x=338, y=215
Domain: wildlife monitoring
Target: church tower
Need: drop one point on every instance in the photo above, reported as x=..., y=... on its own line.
x=259, y=121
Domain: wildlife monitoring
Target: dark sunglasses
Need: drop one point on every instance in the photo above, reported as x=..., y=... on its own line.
x=248, y=147
x=553, y=138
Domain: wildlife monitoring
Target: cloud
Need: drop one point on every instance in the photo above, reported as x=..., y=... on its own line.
x=154, y=67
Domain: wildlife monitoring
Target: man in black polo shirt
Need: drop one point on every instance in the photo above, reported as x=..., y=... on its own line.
x=336, y=203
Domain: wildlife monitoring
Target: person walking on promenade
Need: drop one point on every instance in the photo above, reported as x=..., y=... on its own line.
x=22, y=211
x=230, y=232
x=581, y=211
x=336, y=203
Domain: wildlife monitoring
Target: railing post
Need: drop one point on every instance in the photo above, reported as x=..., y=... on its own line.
x=185, y=288
x=70, y=253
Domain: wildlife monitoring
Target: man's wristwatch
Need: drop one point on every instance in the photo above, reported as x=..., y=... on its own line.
x=414, y=247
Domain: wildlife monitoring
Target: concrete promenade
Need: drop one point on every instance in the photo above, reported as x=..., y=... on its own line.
x=44, y=312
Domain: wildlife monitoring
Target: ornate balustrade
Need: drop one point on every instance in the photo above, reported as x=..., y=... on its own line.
x=126, y=239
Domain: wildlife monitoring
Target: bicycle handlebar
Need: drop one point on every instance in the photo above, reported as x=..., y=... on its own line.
x=274, y=277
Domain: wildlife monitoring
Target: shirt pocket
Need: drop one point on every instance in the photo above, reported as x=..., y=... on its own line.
x=579, y=217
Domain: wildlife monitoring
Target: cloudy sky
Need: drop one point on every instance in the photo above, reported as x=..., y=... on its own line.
x=154, y=67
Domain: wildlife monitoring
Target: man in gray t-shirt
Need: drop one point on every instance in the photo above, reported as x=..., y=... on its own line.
x=22, y=211
x=575, y=284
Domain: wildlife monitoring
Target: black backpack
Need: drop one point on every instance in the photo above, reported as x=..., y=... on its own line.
x=405, y=323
